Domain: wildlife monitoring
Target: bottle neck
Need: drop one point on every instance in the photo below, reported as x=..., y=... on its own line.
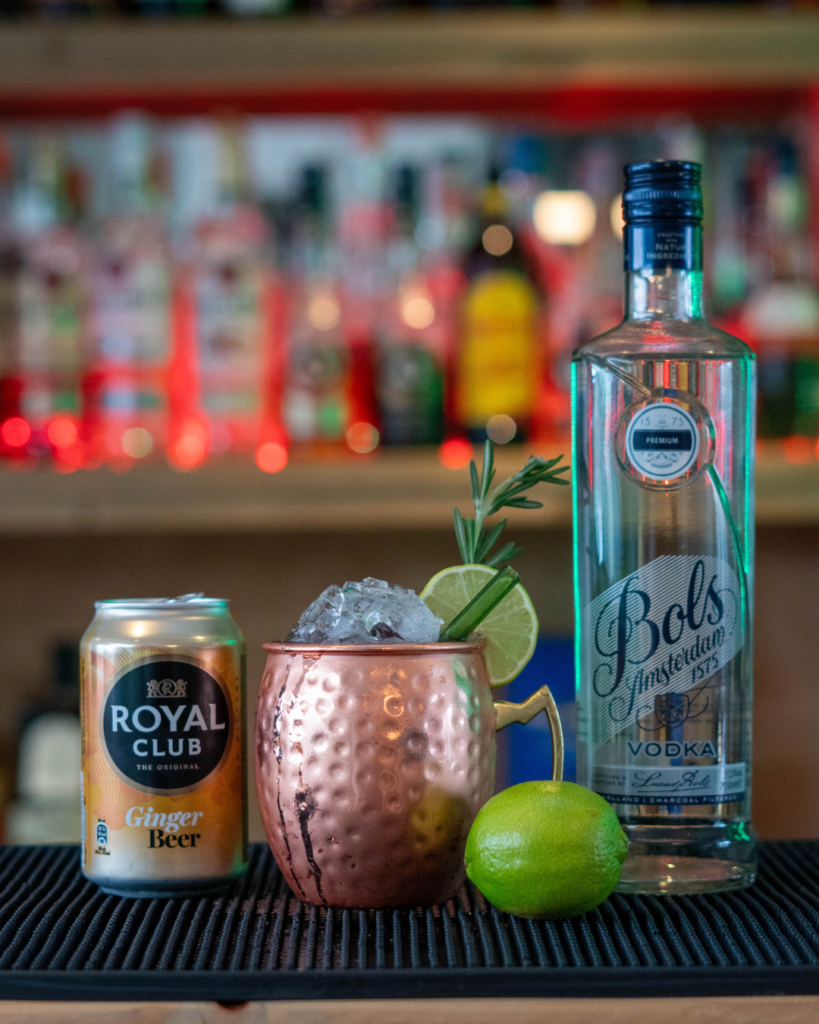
x=663, y=264
x=672, y=295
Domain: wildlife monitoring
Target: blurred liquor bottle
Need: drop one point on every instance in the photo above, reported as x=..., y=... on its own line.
x=225, y=361
x=443, y=234
x=583, y=270
x=553, y=228
x=317, y=388
x=47, y=808
x=412, y=338
x=499, y=362
x=46, y=310
x=10, y=391
x=365, y=222
x=125, y=387
x=781, y=316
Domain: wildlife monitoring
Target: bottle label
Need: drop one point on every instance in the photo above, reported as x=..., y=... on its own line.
x=663, y=630
x=51, y=321
x=230, y=327
x=662, y=441
x=131, y=321
x=689, y=784
x=498, y=359
x=165, y=725
x=411, y=395
x=663, y=245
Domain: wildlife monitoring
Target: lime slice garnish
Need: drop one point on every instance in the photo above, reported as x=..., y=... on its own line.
x=510, y=630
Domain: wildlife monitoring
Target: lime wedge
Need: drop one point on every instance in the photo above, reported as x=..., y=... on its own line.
x=510, y=630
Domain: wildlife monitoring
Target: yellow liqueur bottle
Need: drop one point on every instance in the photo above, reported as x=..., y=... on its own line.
x=498, y=361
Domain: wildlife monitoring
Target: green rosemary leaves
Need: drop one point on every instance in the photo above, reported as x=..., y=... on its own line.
x=474, y=539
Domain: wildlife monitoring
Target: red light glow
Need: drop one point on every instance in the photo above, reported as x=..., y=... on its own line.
x=70, y=458
x=62, y=432
x=363, y=438
x=797, y=449
x=15, y=432
x=455, y=453
x=271, y=457
x=189, y=450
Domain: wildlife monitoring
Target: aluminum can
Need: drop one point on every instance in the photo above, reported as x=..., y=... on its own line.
x=164, y=792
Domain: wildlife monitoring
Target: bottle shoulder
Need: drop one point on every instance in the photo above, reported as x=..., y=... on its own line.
x=665, y=338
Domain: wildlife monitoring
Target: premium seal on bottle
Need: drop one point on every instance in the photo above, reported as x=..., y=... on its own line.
x=664, y=423
x=163, y=749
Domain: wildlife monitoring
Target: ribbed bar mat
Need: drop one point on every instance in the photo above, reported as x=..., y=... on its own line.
x=61, y=938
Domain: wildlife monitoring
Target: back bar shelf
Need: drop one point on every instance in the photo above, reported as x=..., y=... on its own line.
x=580, y=67
x=395, y=489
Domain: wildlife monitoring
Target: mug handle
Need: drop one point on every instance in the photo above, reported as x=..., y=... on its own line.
x=541, y=700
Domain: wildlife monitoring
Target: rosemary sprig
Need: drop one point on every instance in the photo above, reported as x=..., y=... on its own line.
x=474, y=539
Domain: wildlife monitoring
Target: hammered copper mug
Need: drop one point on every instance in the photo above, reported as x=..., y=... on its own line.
x=373, y=761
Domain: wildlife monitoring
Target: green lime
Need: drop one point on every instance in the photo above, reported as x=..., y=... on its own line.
x=510, y=629
x=546, y=849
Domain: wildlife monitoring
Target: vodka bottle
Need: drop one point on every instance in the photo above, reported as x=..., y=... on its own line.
x=663, y=414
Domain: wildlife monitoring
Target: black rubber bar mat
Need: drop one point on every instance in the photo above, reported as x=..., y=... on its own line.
x=61, y=938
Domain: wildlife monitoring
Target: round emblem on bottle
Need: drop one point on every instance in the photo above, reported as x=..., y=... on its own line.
x=165, y=725
x=662, y=441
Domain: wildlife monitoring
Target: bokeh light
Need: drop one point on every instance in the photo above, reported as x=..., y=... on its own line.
x=565, y=217
x=15, y=432
x=189, y=450
x=271, y=457
x=71, y=458
x=501, y=428
x=798, y=450
x=417, y=310
x=362, y=438
x=62, y=432
x=137, y=442
x=455, y=453
x=324, y=311
x=616, y=216
x=497, y=240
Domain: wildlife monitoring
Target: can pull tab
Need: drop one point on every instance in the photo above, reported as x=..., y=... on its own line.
x=186, y=597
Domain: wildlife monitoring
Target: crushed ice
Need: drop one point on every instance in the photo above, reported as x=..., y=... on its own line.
x=370, y=612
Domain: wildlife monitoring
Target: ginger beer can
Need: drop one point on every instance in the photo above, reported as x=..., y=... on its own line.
x=163, y=749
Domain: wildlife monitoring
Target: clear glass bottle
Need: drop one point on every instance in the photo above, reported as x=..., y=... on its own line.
x=125, y=410
x=232, y=297
x=664, y=425
x=317, y=384
x=412, y=339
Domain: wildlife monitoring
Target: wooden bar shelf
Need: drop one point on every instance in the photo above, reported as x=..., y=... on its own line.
x=564, y=66
x=393, y=490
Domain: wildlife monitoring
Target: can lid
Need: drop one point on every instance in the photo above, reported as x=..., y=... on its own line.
x=169, y=604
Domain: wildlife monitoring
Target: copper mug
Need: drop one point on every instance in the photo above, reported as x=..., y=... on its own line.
x=372, y=762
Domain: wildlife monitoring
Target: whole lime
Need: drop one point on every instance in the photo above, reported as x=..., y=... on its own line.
x=546, y=849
